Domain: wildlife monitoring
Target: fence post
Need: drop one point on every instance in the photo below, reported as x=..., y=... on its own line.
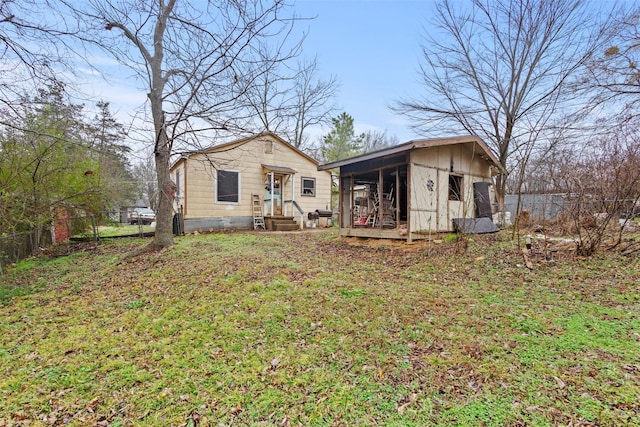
x=94, y=228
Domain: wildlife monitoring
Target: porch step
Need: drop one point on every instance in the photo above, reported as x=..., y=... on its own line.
x=281, y=223
x=285, y=227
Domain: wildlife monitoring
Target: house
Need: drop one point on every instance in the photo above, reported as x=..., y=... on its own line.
x=416, y=188
x=216, y=187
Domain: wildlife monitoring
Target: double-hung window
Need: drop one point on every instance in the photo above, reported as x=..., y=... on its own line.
x=309, y=187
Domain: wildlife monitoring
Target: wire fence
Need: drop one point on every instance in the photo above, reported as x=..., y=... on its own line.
x=18, y=246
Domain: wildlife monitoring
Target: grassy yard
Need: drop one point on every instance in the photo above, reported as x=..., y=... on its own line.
x=117, y=230
x=308, y=329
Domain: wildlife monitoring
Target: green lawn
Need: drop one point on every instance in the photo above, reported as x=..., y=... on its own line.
x=307, y=329
x=118, y=229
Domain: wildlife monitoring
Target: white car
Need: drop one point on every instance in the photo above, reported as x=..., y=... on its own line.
x=142, y=216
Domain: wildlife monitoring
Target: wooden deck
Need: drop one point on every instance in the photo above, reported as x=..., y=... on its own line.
x=376, y=233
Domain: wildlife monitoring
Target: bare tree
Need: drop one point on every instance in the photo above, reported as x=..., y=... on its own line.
x=313, y=101
x=289, y=102
x=605, y=186
x=268, y=100
x=34, y=48
x=541, y=171
x=196, y=61
x=500, y=69
x=377, y=140
x=614, y=72
x=145, y=177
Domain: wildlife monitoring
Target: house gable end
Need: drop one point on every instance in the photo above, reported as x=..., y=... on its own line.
x=221, y=182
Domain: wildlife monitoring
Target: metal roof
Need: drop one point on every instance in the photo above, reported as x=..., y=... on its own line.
x=283, y=169
x=484, y=150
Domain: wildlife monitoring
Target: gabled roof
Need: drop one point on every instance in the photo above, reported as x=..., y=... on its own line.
x=482, y=148
x=238, y=142
x=282, y=169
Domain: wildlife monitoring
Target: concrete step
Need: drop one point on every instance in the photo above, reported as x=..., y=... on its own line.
x=278, y=223
x=281, y=226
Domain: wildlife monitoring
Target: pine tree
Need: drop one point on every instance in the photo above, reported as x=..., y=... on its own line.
x=341, y=142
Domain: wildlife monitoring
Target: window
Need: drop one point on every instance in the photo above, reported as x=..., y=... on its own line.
x=268, y=147
x=455, y=187
x=228, y=187
x=178, y=183
x=309, y=187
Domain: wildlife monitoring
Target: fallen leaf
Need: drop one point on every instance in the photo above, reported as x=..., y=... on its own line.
x=402, y=407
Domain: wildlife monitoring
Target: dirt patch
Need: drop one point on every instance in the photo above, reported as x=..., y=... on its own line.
x=396, y=244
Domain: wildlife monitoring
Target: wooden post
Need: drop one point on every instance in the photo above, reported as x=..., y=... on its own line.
x=93, y=226
x=272, y=183
x=409, y=230
x=293, y=196
x=380, y=198
x=397, y=196
x=352, y=205
x=181, y=220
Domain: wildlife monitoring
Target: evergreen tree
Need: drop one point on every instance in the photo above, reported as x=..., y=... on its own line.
x=49, y=161
x=105, y=143
x=341, y=142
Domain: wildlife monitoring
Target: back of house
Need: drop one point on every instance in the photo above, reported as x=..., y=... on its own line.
x=217, y=188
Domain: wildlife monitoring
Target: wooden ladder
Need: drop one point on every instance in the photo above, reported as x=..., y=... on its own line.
x=258, y=217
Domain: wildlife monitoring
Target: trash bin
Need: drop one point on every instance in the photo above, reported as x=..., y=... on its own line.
x=177, y=225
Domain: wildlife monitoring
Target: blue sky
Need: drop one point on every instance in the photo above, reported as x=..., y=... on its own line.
x=373, y=48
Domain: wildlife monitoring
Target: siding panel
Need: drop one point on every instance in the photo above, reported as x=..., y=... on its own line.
x=247, y=158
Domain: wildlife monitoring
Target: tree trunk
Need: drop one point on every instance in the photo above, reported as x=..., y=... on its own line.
x=163, y=237
x=164, y=231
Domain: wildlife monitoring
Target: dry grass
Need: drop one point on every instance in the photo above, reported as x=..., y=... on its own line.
x=308, y=329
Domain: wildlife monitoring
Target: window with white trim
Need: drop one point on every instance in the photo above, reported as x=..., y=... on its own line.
x=227, y=186
x=309, y=187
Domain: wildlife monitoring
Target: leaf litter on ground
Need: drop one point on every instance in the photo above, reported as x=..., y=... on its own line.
x=259, y=328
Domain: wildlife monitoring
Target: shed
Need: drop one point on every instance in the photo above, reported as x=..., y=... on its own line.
x=416, y=188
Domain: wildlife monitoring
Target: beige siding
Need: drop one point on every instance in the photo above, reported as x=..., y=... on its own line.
x=247, y=159
x=434, y=211
x=460, y=156
x=424, y=198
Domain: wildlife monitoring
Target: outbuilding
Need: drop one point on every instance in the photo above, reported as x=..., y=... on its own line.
x=413, y=190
